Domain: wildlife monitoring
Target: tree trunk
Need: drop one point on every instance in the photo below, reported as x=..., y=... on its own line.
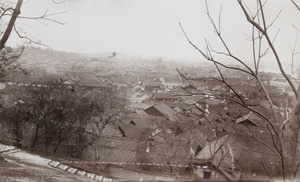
x=11, y=24
x=97, y=151
x=36, y=135
x=290, y=140
x=170, y=167
x=18, y=134
x=56, y=147
x=46, y=139
x=98, y=138
x=81, y=145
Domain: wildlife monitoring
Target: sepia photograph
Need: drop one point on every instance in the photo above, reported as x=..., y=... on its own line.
x=149, y=90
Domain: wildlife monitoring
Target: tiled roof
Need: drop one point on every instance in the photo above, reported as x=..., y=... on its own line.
x=223, y=153
x=163, y=96
x=250, y=117
x=164, y=109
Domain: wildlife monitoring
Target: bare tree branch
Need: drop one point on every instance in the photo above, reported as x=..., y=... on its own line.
x=262, y=163
x=12, y=21
x=274, y=19
x=30, y=40
x=296, y=5
x=210, y=59
x=58, y=2
x=270, y=43
x=45, y=17
x=222, y=40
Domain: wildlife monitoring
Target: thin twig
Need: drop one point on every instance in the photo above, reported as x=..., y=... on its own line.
x=30, y=40
x=296, y=5
x=212, y=60
x=44, y=17
x=262, y=163
x=270, y=43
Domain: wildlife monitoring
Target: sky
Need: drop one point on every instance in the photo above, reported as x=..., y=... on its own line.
x=151, y=27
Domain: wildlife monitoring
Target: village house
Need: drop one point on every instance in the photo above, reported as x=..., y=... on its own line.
x=218, y=162
x=138, y=97
x=250, y=119
x=21, y=79
x=160, y=109
x=252, y=103
x=139, y=127
x=165, y=97
x=171, y=82
x=279, y=82
x=152, y=86
x=90, y=84
x=120, y=81
x=190, y=89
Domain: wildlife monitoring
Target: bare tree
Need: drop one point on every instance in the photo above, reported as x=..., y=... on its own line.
x=175, y=141
x=107, y=107
x=170, y=146
x=13, y=13
x=284, y=132
x=10, y=13
x=57, y=114
x=60, y=121
x=8, y=58
x=15, y=119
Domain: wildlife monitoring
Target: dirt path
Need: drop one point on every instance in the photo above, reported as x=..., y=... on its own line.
x=12, y=171
x=129, y=175
x=21, y=166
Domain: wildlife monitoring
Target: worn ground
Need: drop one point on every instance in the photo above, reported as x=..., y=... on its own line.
x=16, y=165
x=21, y=166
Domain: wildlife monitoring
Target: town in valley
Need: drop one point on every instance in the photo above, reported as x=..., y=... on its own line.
x=178, y=118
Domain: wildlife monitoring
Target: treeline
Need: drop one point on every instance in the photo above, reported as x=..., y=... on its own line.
x=53, y=114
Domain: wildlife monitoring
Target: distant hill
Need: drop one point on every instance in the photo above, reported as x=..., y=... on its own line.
x=57, y=61
x=48, y=61
x=106, y=55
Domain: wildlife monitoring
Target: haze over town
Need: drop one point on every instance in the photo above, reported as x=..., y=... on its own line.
x=147, y=28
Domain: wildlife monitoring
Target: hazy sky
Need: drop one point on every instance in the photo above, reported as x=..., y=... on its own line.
x=151, y=27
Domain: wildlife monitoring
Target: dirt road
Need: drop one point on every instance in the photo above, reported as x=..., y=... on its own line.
x=21, y=166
